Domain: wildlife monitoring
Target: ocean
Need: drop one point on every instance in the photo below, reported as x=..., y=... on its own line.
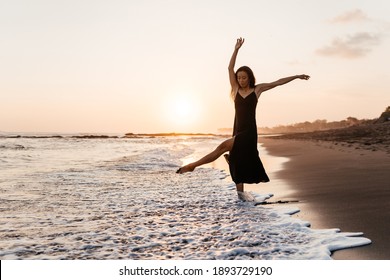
x=120, y=198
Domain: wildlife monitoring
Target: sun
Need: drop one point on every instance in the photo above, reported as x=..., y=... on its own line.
x=183, y=110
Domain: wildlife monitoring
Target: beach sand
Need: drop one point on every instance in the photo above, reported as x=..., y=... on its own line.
x=337, y=186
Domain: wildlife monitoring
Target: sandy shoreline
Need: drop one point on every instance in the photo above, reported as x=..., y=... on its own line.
x=337, y=187
x=337, y=178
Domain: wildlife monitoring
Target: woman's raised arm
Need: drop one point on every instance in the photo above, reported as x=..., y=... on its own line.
x=232, y=75
x=267, y=86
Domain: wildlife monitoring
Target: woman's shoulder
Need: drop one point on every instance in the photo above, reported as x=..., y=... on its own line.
x=259, y=88
x=234, y=92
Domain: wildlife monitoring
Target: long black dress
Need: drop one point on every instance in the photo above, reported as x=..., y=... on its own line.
x=244, y=162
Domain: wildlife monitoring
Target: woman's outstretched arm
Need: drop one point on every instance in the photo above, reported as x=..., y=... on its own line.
x=267, y=86
x=232, y=75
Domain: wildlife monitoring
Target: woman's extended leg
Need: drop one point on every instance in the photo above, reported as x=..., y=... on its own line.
x=224, y=147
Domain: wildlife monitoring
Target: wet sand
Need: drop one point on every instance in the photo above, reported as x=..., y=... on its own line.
x=337, y=186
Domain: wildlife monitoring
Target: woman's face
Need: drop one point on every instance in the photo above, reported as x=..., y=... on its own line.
x=243, y=79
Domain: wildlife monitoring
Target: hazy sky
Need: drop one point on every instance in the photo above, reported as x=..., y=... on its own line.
x=161, y=66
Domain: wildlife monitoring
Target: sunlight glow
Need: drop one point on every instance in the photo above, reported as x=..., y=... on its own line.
x=183, y=110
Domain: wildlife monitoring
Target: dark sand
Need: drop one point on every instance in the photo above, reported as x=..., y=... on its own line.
x=337, y=185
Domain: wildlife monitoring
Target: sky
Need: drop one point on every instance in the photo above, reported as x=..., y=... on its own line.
x=153, y=66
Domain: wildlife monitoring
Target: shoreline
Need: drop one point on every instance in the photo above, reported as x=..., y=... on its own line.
x=336, y=187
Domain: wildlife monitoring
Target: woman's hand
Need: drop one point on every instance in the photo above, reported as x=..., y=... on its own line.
x=239, y=43
x=303, y=77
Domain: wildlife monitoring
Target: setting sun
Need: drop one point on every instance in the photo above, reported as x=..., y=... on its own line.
x=182, y=110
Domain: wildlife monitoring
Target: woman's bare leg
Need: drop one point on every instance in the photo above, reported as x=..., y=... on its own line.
x=224, y=147
x=240, y=191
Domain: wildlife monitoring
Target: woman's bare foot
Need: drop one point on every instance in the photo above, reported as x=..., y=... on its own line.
x=245, y=196
x=186, y=168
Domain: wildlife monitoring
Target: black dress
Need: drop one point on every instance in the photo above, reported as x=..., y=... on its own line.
x=244, y=162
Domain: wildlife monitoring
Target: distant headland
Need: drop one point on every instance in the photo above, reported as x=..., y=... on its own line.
x=377, y=130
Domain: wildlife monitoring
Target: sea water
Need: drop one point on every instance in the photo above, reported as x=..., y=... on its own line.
x=120, y=198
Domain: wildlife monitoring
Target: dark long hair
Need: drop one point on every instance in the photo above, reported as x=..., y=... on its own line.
x=251, y=76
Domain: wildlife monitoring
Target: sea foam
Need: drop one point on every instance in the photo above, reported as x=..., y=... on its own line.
x=121, y=199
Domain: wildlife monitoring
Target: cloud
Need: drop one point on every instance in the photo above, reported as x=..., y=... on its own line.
x=352, y=46
x=350, y=16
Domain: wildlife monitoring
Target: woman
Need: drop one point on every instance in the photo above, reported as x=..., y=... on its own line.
x=244, y=163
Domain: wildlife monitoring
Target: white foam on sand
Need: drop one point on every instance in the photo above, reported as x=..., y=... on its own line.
x=127, y=202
